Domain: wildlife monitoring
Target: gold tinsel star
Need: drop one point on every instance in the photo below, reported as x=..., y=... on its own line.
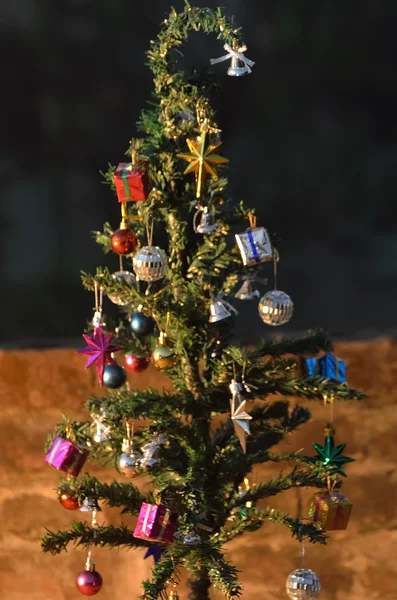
x=202, y=160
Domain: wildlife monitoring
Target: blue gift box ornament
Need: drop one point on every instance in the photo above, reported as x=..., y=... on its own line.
x=327, y=367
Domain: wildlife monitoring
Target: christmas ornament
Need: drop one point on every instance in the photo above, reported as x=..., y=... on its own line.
x=275, y=308
x=207, y=222
x=137, y=364
x=240, y=64
x=164, y=356
x=97, y=318
x=122, y=277
x=131, y=181
x=220, y=309
x=123, y=240
x=328, y=367
x=90, y=505
x=330, y=509
x=188, y=538
x=66, y=456
x=156, y=522
x=239, y=416
x=99, y=350
x=254, y=244
x=142, y=324
x=247, y=291
x=302, y=583
x=202, y=160
x=89, y=581
x=102, y=432
x=150, y=263
x=154, y=550
x=151, y=451
x=69, y=502
x=331, y=455
x=114, y=376
x=128, y=462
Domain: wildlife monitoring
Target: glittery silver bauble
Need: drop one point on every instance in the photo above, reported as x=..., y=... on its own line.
x=120, y=277
x=302, y=583
x=129, y=462
x=276, y=308
x=150, y=263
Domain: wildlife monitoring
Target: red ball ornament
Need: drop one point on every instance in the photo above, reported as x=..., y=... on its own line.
x=89, y=583
x=69, y=502
x=123, y=241
x=137, y=364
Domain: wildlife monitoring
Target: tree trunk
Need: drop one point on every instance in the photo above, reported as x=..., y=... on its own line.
x=199, y=582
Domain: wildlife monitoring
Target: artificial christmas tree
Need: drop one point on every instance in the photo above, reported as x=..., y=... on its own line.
x=177, y=306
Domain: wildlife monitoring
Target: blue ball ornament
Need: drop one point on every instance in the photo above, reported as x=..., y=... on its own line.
x=114, y=376
x=142, y=324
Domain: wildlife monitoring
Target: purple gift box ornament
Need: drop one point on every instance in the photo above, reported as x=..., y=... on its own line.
x=156, y=522
x=328, y=367
x=66, y=456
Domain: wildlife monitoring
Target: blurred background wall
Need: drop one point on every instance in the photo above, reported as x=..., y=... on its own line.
x=311, y=135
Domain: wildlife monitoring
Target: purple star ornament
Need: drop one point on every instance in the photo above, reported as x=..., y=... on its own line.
x=99, y=350
x=155, y=551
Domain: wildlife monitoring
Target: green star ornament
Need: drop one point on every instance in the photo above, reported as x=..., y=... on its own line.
x=330, y=454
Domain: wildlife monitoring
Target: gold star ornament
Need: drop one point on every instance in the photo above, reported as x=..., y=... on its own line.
x=203, y=160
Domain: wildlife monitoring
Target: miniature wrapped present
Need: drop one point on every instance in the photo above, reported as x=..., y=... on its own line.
x=156, y=522
x=66, y=456
x=331, y=510
x=328, y=367
x=131, y=181
x=255, y=246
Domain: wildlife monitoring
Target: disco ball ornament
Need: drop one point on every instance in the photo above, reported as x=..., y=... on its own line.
x=137, y=364
x=276, y=308
x=69, y=502
x=302, y=583
x=120, y=277
x=123, y=241
x=150, y=263
x=141, y=324
x=128, y=463
x=89, y=581
x=114, y=376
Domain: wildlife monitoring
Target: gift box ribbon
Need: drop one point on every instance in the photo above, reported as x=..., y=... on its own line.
x=164, y=524
x=254, y=249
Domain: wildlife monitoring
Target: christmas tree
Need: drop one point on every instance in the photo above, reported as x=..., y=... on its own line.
x=198, y=443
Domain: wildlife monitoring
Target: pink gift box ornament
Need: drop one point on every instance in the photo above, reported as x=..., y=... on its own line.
x=67, y=457
x=156, y=522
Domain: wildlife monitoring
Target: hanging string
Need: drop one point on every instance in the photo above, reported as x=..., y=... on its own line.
x=149, y=233
x=96, y=296
x=276, y=258
x=167, y=322
x=302, y=554
x=252, y=220
x=121, y=263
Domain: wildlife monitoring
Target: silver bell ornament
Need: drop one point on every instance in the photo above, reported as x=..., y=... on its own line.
x=151, y=451
x=302, y=583
x=207, y=222
x=150, y=263
x=121, y=277
x=240, y=65
x=220, y=309
x=102, y=432
x=90, y=505
x=247, y=291
x=128, y=463
x=275, y=308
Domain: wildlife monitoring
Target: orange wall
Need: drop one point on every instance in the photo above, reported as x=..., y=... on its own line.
x=359, y=564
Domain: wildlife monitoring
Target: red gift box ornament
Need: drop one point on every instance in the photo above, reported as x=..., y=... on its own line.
x=132, y=181
x=156, y=522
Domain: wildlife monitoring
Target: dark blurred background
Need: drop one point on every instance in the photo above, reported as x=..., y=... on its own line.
x=311, y=136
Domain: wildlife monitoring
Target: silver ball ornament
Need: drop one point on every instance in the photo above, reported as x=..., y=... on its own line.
x=301, y=584
x=128, y=463
x=150, y=263
x=276, y=308
x=120, y=277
